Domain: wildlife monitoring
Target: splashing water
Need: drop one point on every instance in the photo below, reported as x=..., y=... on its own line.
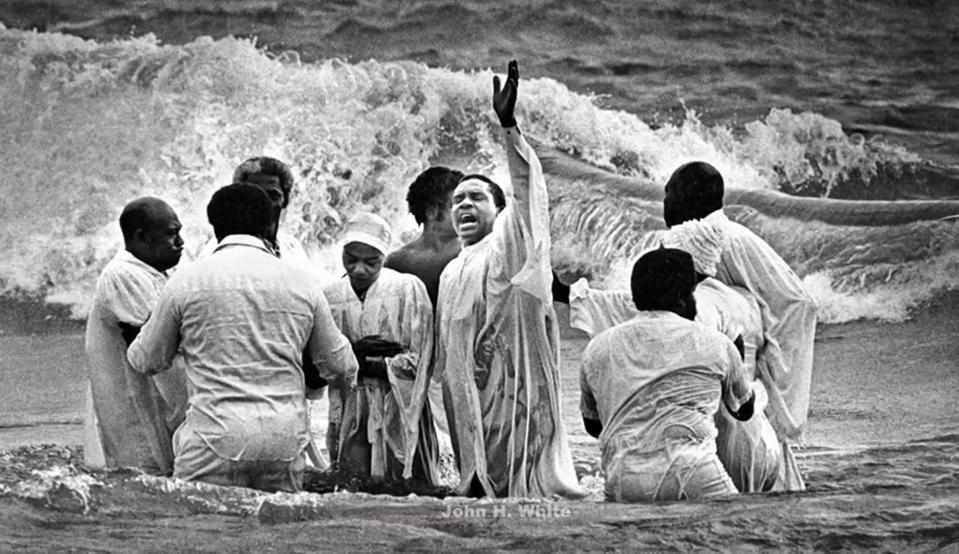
x=88, y=126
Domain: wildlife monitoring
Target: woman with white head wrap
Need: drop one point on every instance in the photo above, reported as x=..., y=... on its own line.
x=383, y=427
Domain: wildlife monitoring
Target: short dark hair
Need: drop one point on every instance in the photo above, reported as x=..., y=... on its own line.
x=660, y=277
x=267, y=166
x=697, y=189
x=499, y=199
x=135, y=215
x=431, y=189
x=138, y=214
x=240, y=209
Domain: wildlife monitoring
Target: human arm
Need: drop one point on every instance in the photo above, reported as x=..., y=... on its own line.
x=738, y=394
x=330, y=352
x=522, y=229
x=371, y=354
x=587, y=401
x=155, y=346
x=593, y=311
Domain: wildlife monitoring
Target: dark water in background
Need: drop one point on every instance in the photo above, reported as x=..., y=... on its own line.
x=879, y=67
x=853, y=100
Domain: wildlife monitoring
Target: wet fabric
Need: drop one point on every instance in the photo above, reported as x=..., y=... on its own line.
x=789, y=317
x=196, y=461
x=291, y=250
x=386, y=422
x=655, y=382
x=288, y=248
x=756, y=455
x=498, y=349
x=238, y=322
x=130, y=416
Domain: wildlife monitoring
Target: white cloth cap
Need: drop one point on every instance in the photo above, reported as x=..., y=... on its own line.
x=702, y=239
x=369, y=229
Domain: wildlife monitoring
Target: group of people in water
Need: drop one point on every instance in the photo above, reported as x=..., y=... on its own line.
x=695, y=380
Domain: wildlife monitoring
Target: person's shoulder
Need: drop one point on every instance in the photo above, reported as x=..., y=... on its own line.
x=337, y=290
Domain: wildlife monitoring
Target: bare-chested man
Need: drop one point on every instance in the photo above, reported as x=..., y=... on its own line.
x=429, y=202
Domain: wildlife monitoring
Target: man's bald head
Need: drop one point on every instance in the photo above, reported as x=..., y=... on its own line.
x=693, y=191
x=151, y=232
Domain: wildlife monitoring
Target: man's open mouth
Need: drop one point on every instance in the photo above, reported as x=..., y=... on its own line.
x=467, y=218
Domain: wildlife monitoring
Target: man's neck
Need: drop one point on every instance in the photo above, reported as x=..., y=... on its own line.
x=438, y=235
x=139, y=257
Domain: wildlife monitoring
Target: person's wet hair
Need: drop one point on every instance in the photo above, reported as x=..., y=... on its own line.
x=267, y=166
x=499, y=199
x=661, y=277
x=696, y=190
x=240, y=209
x=431, y=189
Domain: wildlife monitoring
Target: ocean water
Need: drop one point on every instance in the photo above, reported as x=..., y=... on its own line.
x=104, y=101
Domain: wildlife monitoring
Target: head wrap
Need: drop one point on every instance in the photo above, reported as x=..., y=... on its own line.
x=702, y=238
x=369, y=229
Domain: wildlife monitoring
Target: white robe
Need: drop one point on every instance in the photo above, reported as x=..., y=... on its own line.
x=396, y=414
x=755, y=454
x=130, y=417
x=789, y=317
x=496, y=324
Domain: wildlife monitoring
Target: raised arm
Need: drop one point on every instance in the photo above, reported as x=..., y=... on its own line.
x=524, y=238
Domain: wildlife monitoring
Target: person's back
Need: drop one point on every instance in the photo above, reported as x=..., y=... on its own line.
x=238, y=322
x=426, y=259
x=429, y=202
x=657, y=380
x=651, y=386
x=245, y=319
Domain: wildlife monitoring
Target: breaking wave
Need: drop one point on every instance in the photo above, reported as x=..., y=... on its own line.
x=86, y=126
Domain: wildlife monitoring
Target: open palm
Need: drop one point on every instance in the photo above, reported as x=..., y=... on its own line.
x=504, y=98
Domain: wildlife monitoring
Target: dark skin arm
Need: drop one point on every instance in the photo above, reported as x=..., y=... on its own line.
x=371, y=352
x=129, y=332
x=746, y=410
x=311, y=374
x=741, y=347
x=593, y=426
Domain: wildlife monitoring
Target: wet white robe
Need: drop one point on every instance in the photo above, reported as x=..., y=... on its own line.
x=755, y=455
x=496, y=324
x=130, y=417
x=789, y=317
x=397, y=417
x=655, y=382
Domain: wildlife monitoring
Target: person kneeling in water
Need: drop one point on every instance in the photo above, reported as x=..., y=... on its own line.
x=651, y=385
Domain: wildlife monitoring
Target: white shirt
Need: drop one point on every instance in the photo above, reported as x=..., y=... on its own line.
x=135, y=414
x=239, y=320
x=656, y=380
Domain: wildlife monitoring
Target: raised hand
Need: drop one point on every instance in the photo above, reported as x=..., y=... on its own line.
x=504, y=99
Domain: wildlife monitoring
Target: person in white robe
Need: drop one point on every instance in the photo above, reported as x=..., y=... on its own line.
x=757, y=453
x=382, y=427
x=497, y=336
x=276, y=179
x=651, y=386
x=238, y=322
x=695, y=191
x=131, y=417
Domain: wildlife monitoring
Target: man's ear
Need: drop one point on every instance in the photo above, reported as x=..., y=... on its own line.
x=433, y=213
x=140, y=238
